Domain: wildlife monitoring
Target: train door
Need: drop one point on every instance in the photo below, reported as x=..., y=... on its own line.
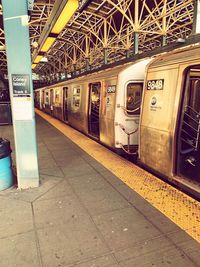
x=42, y=101
x=65, y=103
x=188, y=164
x=94, y=108
x=51, y=100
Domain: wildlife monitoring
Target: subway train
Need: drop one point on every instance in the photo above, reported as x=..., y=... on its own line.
x=149, y=108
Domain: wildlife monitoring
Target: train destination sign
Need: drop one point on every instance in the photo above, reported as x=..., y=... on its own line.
x=21, y=84
x=155, y=84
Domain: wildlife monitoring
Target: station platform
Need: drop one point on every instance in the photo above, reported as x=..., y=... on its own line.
x=94, y=209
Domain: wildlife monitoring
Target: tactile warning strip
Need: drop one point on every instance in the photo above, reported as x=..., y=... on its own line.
x=177, y=206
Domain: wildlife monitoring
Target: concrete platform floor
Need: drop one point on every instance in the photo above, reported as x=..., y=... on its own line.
x=82, y=215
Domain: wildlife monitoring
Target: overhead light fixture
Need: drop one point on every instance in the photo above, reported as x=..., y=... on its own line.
x=181, y=40
x=47, y=44
x=38, y=58
x=67, y=12
x=2, y=48
x=33, y=66
x=44, y=59
x=65, y=16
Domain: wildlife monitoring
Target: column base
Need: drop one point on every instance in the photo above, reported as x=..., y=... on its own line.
x=26, y=183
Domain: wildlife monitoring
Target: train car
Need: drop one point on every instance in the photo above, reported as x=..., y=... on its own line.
x=150, y=107
x=170, y=118
x=104, y=105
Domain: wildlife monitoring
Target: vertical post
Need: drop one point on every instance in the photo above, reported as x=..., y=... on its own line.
x=105, y=44
x=74, y=67
x=136, y=43
x=136, y=17
x=127, y=53
x=163, y=40
x=136, y=34
x=164, y=24
x=21, y=91
x=105, y=57
x=87, y=49
x=87, y=64
x=128, y=42
x=196, y=18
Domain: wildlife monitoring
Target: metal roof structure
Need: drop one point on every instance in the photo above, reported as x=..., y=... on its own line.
x=103, y=31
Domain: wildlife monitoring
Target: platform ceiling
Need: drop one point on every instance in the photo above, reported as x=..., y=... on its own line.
x=101, y=25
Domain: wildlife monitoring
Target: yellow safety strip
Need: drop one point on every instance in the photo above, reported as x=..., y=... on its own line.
x=177, y=206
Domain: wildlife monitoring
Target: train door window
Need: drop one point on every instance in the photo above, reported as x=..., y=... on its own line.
x=133, y=97
x=43, y=98
x=46, y=97
x=65, y=103
x=57, y=97
x=76, y=101
x=94, y=107
x=188, y=141
x=51, y=97
x=37, y=99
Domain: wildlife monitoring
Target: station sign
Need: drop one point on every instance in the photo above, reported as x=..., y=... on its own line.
x=21, y=85
x=155, y=84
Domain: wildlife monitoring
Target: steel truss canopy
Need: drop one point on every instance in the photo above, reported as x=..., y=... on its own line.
x=98, y=32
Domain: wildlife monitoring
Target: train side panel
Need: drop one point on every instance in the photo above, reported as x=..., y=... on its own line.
x=107, y=111
x=155, y=147
x=56, y=96
x=128, y=101
x=77, y=117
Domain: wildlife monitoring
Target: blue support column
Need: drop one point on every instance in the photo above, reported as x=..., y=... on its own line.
x=21, y=91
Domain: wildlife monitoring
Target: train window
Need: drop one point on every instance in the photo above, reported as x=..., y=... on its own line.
x=133, y=98
x=51, y=97
x=76, y=97
x=57, y=97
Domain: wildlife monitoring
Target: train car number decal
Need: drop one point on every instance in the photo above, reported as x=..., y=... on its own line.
x=155, y=84
x=111, y=89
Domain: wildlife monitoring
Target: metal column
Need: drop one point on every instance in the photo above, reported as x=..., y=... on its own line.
x=105, y=58
x=136, y=43
x=21, y=91
x=163, y=40
x=87, y=64
x=128, y=53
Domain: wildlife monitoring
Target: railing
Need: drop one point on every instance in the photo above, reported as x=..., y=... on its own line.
x=136, y=107
x=190, y=132
x=128, y=150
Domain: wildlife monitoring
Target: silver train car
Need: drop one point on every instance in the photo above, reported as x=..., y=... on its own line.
x=149, y=108
x=104, y=105
x=169, y=141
